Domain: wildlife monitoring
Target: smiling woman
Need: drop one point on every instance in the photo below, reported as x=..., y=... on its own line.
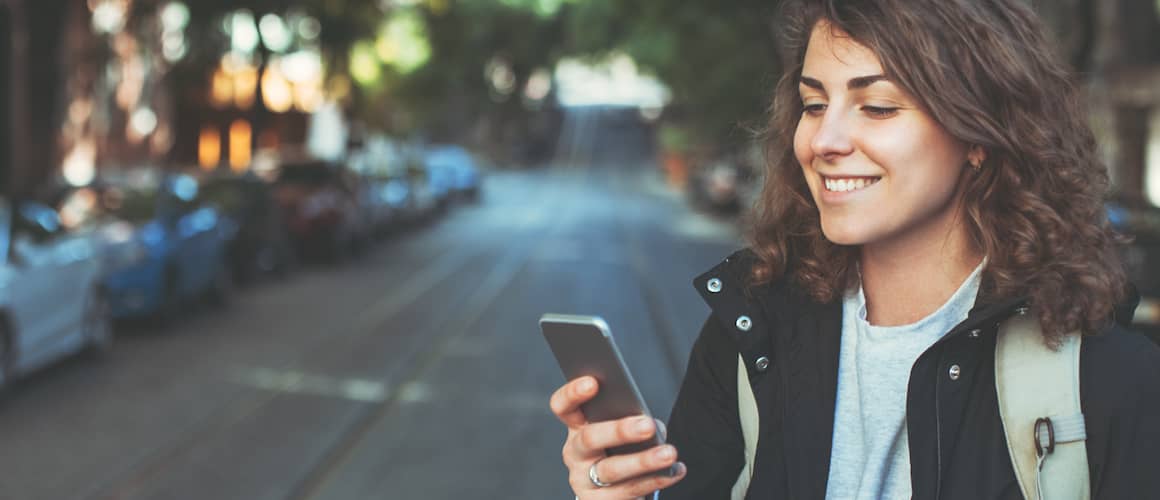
x=932, y=186
x=907, y=96
x=858, y=128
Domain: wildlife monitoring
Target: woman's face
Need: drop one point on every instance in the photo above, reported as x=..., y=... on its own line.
x=880, y=169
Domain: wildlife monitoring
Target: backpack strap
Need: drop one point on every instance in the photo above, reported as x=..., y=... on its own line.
x=747, y=410
x=1039, y=404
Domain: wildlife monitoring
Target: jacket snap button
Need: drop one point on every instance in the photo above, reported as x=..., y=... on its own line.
x=744, y=323
x=974, y=333
x=762, y=364
x=714, y=285
x=955, y=372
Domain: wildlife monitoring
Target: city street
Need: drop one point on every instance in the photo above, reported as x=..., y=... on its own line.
x=415, y=372
x=299, y=250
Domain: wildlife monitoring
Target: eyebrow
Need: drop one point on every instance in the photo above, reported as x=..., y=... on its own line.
x=860, y=82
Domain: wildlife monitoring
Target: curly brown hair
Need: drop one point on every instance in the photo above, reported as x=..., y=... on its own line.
x=985, y=71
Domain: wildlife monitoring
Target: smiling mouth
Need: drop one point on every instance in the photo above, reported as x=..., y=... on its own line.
x=847, y=184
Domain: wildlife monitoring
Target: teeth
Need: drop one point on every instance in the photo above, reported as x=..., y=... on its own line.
x=844, y=185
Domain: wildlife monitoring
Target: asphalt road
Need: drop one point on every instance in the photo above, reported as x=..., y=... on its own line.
x=415, y=372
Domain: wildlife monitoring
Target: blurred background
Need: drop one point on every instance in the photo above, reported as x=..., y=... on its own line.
x=274, y=249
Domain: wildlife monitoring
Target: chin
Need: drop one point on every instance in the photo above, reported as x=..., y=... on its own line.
x=842, y=234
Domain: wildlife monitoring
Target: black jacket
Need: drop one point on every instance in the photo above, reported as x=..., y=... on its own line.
x=957, y=444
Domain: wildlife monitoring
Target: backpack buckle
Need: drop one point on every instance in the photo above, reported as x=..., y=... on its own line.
x=1044, y=436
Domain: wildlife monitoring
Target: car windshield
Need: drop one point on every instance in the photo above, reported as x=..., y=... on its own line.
x=448, y=156
x=305, y=173
x=230, y=196
x=132, y=205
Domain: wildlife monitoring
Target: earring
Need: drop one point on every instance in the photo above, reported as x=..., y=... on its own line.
x=976, y=160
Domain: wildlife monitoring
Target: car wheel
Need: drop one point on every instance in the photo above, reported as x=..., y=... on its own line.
x=7, y=360
x=222, y=287
x=265, y=259
x=286, y=259
x=171, y=303
x=98, y=325
x=341, y=249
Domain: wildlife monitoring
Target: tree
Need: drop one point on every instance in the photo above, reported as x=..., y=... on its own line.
x=719, y=58
x=483, y=53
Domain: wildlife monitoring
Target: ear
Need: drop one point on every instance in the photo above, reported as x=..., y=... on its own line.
x=976, y=156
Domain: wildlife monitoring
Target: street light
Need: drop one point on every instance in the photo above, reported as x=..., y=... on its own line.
x=276, y=92
x=243, y=32
x=276, y=35
x=241, y=144
x=209, y=147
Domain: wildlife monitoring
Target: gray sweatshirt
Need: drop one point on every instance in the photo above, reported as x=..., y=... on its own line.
x=870, y=458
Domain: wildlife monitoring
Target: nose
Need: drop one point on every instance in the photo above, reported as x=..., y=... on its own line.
x=832, y=137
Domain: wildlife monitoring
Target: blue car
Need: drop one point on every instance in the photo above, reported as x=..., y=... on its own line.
x=1140, y=219
x=454, y=170
x=183, y=241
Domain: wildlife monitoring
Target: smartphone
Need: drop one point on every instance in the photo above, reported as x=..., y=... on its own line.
x=583, y=345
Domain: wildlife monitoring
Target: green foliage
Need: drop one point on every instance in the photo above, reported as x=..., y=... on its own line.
x=719, y=58
x=451, y=89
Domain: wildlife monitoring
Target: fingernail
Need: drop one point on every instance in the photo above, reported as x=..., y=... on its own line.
x=681, y=469
x=665, y=453
x=643, y=425
x=586, y=385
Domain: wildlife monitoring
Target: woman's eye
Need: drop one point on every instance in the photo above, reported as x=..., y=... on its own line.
x=815, y=109
x=879, y=112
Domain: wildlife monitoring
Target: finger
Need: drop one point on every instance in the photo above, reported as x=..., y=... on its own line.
x=643, y=486
x=591, y=440
x=620, y=468
x=566, y=401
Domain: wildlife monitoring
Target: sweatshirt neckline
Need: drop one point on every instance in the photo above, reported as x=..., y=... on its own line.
x=959, y=304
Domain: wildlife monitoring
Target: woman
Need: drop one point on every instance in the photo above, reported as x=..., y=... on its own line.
x=930, y=175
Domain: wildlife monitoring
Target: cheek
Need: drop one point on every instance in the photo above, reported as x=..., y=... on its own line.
x=804, y=153
x=919, y=143
x=802, y=137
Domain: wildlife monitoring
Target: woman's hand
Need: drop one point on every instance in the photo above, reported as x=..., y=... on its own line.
x=624, y=476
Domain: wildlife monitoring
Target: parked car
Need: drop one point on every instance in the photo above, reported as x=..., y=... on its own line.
x=1140, y=220
x=463, y=178
x=371, y=166
x=80, y=212
x=728, y=183
x=408, y=195
x=721, y=186
x=52, y=303
x=261, y=244
x=424, y=198
x=321, y=209
x=184, y=240
x=438, y=175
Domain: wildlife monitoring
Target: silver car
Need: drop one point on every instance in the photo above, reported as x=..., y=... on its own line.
x=51, y=304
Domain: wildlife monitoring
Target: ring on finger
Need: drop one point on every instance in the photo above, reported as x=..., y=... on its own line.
x=595, y=478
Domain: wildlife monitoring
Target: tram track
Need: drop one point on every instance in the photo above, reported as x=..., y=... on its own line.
x=370, y=320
